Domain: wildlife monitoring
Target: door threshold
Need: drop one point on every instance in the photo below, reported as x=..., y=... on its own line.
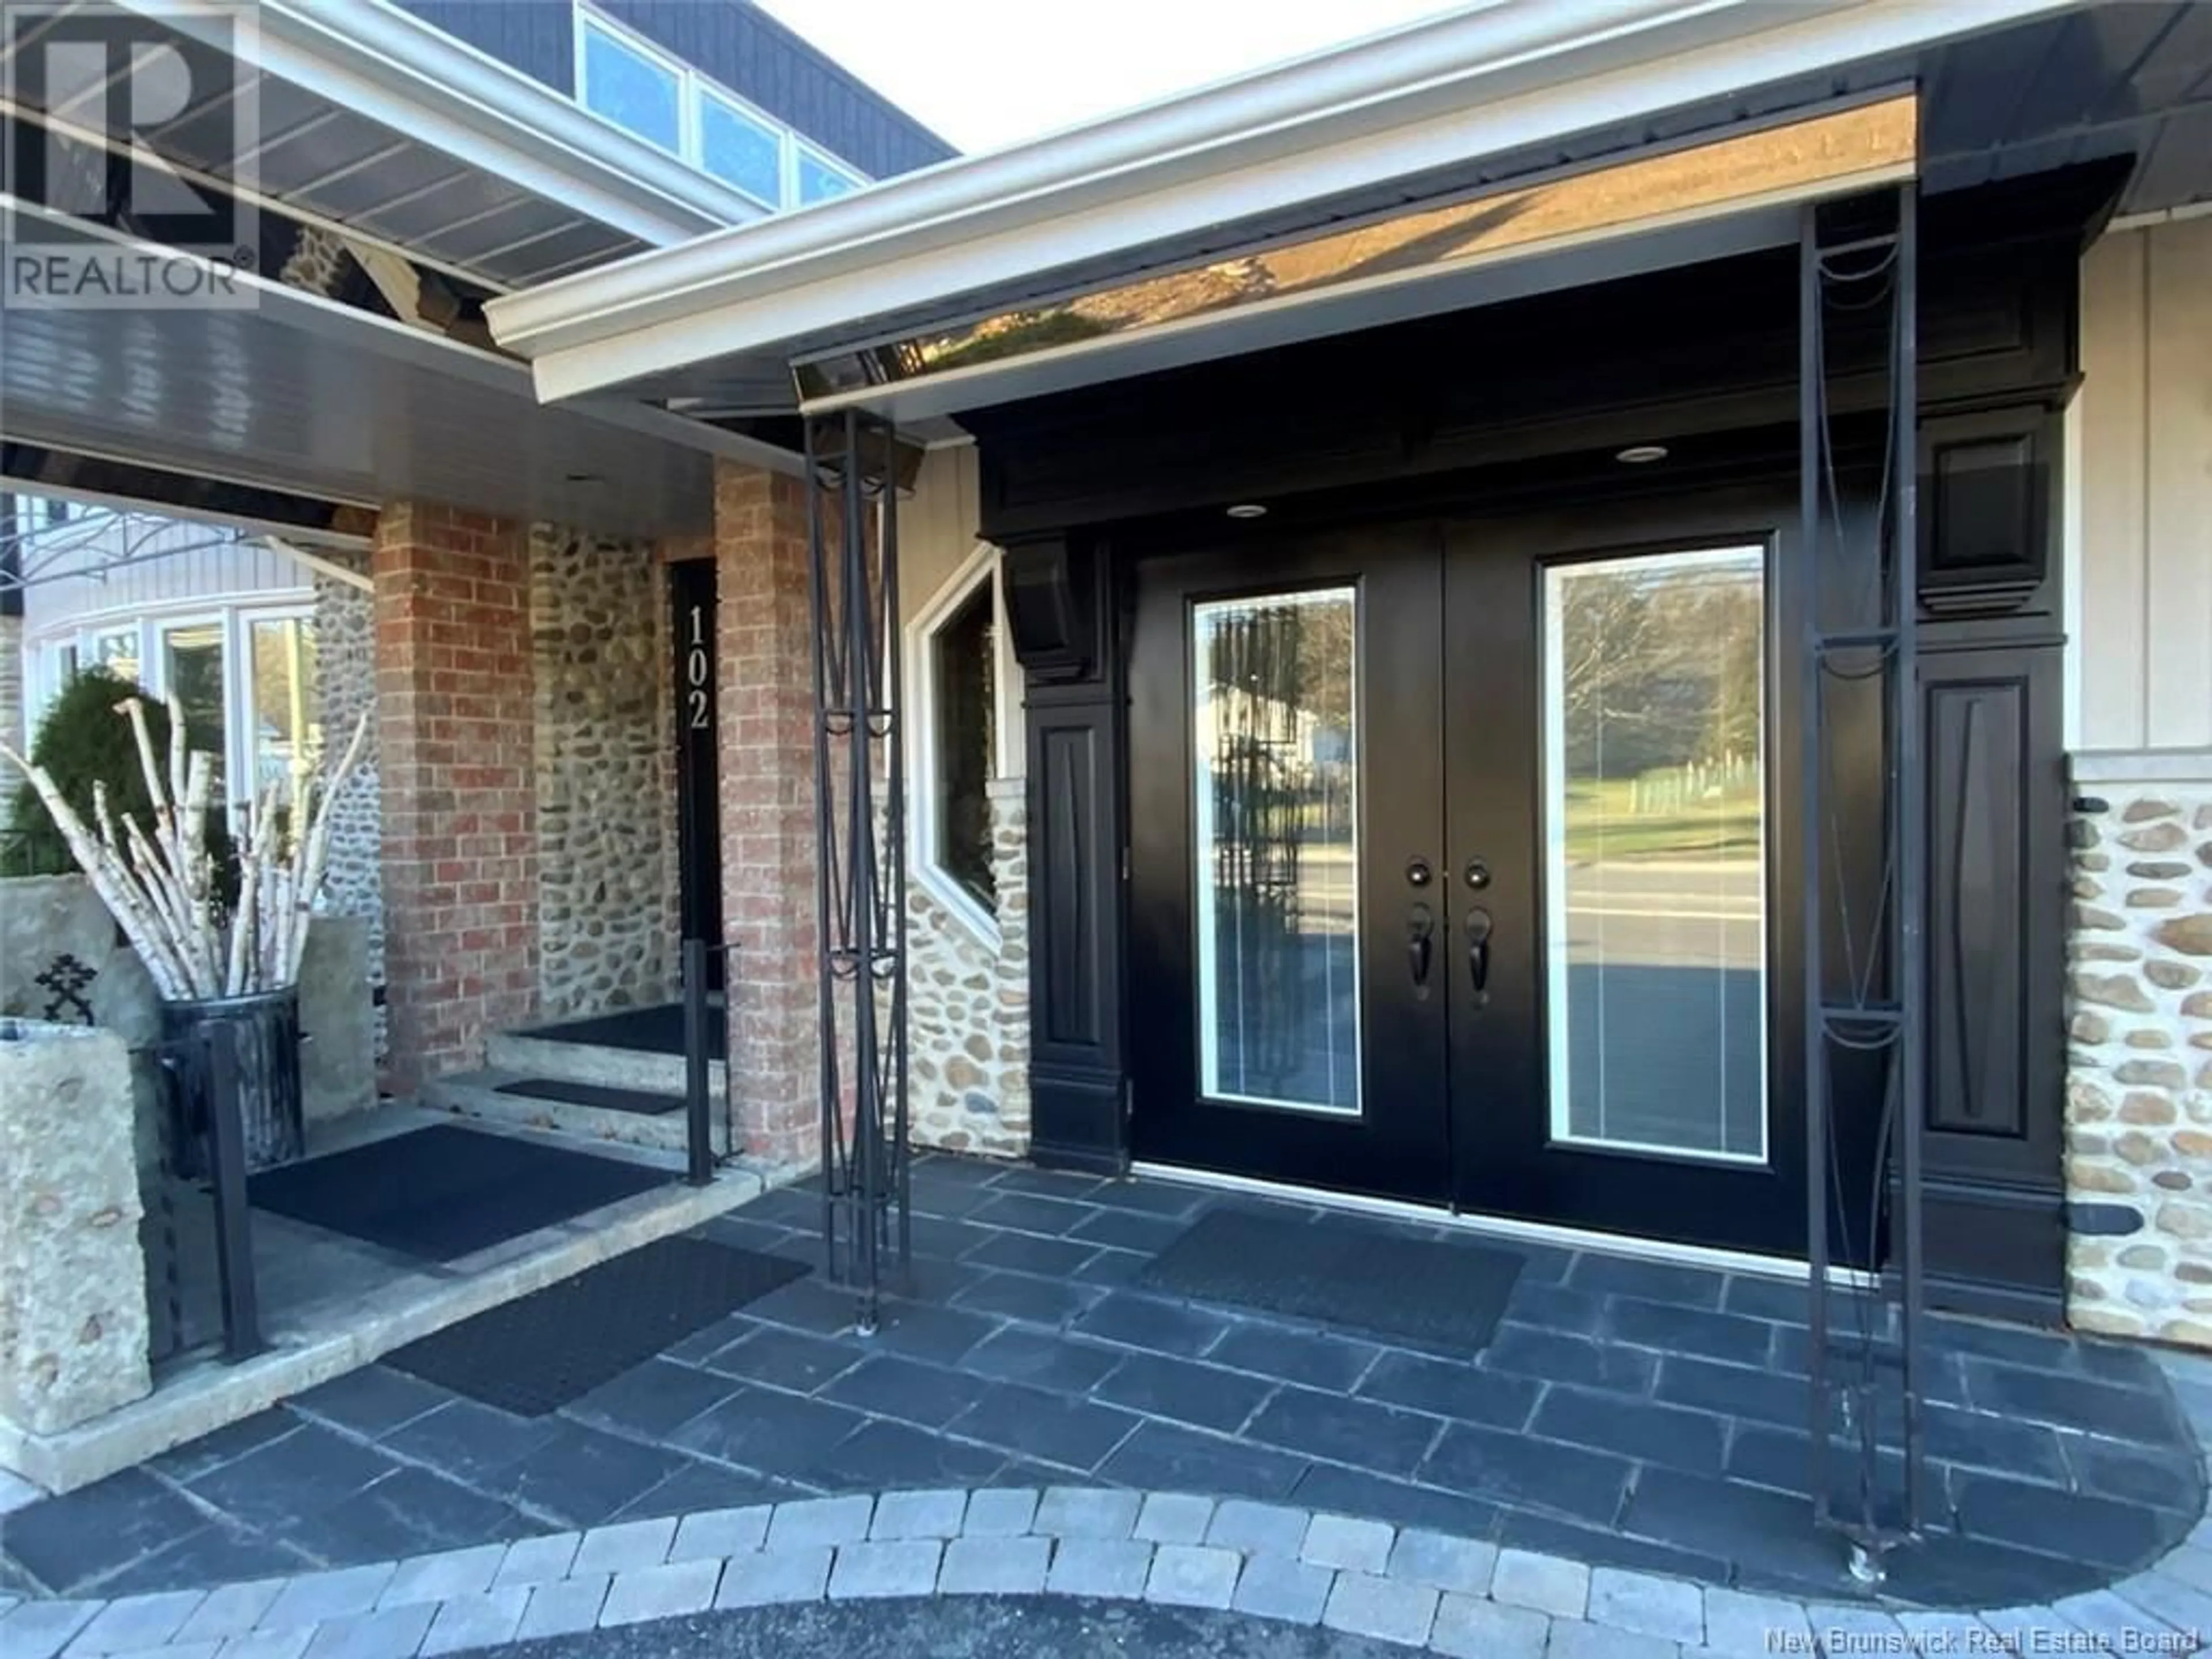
x=1747, y=1262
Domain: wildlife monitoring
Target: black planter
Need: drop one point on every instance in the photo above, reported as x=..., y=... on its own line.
x=266, y=1027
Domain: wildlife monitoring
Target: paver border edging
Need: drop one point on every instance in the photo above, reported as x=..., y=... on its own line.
x=1458, y=1596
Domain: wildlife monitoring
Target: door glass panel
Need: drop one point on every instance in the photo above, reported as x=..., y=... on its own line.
x=1655, y=848
x=1277, y=843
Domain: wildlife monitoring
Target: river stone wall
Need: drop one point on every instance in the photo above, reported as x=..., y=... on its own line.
x=2139, y=1071
x=345, y=690
x=968, y=996
x=602, y=739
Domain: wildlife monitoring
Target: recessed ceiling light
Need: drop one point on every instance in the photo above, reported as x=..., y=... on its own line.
x=1642, y=454
x=1248, y=510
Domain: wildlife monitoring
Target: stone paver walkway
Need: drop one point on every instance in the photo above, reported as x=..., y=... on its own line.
x=1407, y=1586
x=1624, y=1457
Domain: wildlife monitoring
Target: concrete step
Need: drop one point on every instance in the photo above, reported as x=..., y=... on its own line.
x=591, y=1062
x=479, y=1095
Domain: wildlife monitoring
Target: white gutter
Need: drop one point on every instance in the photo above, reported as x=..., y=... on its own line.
x=1501, y=77
x=383, y=64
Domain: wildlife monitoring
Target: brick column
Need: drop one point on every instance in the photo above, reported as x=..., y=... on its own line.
x=453, y=737
x=765, y=746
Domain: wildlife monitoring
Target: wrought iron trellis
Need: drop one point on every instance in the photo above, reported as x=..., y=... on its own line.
x=859, y=791
x=1858, y=259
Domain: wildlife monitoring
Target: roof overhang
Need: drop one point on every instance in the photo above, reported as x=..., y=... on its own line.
x=1522, y=85
x=360, y=116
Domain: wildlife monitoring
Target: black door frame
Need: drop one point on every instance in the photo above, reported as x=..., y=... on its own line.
x=694, y=670
x=1704, y=359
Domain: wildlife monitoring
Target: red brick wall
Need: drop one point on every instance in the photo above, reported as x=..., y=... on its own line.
x=453, y=728
x=766, y=753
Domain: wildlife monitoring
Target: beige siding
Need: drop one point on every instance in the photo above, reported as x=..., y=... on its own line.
x=2145, y=436
x=937, y=526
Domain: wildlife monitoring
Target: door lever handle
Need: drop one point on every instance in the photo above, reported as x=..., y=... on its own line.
x=1477, y=951
x=1420, y=927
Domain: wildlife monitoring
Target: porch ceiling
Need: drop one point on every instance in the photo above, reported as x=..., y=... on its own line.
x=357, y=114
x=2006, y=91
x=295, y=393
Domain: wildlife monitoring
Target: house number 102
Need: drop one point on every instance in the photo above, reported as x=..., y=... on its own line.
x=698, y=670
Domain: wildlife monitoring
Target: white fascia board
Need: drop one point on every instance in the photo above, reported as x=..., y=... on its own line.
x=1507, y=76
x=388, y=66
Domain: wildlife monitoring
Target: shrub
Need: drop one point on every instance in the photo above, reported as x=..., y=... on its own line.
x=83, y=741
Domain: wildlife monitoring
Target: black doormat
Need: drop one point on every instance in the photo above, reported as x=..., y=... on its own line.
x=640, y=1102
x=656, y=1030
x=447, y=1191
x=1341, y=1273
x=536, y=1353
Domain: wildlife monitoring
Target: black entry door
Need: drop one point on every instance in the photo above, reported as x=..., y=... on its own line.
x=1623, y=1052
x=691, y=589
x=1287, y=923
x=1455, y=857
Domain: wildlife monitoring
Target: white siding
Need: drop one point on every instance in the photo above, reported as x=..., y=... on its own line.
x=2144, y=425
x=197, y=572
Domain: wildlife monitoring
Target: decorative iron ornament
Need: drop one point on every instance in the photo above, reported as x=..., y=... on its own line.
x=68, y=979
x=853, y=461
x=1863, y=917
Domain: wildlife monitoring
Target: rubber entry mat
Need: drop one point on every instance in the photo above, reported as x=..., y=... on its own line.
x=1342, y=1272
x=655, y=1030
x=444, y=1192
x=536, y=1354
x=640, y=1102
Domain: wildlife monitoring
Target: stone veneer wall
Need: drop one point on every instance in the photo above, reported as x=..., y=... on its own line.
x=12, y=731
x=2139, y=1082
x=601, y=744
x=345, y=688
x=969, y=1002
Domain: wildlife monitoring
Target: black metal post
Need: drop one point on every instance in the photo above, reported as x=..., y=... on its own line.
x=860, y=891
x=698, y=1120
x=1864, y=969
x=233, y=1225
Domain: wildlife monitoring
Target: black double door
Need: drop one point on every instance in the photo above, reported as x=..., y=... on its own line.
x=1457, y=851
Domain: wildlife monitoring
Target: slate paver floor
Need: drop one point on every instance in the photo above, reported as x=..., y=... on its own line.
x=1627, y=1414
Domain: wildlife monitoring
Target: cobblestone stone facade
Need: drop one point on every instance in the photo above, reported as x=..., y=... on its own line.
x=346, y=688
x=601, y=741
x=12, y=732
x=969, y=997
x=2139, y=1082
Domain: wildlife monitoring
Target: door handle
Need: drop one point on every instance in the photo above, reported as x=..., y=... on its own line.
x=1420, y=927
x=1478, y=952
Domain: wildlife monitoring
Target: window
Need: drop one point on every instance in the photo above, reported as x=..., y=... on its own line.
x=192, y=674
x=53, y=513
x=286, y=739
x=116, y=649
x=740, y=150
x=636, y=89
x=820, y=179
x=643, y=90
x=963, y=691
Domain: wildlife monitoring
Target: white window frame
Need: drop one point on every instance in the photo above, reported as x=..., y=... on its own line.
x=981, y=566
x=822, y=158
x=693, y=88
x=687, y=126
x=235, y=614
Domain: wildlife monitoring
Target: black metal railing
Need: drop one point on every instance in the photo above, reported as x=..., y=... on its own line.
x=199, y=1206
